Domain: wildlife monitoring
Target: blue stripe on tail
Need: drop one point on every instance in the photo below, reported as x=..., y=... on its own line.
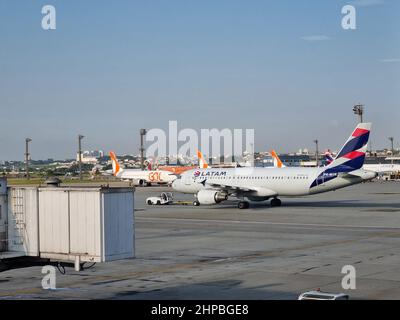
x=354, y=144
x=351, y=165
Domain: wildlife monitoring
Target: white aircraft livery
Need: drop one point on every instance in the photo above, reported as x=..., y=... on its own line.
x=211, y=186
x=382, y=168
x=140, y=177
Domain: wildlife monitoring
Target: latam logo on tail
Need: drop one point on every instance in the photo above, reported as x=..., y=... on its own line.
x=352, y=155
x=350, y=158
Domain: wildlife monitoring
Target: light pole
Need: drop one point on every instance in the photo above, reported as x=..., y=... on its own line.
x=391, y=139
x=316, y=153
x=359, y=110
x=142, y=134
x=27, y=154
x=80, y=137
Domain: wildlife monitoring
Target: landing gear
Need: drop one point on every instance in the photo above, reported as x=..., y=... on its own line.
x=276, y=202
x=196, y=203
x=243, y=205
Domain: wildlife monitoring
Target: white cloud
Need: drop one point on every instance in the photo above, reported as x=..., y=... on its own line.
x=392, y=60
x=315, y=38
x=367, y=3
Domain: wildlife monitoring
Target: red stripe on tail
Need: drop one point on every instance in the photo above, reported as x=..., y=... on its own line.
x=359, y=132
x=353, y=155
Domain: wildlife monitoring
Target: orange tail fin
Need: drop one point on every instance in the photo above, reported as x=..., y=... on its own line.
x=115, y=165
x=277, y=162
x=202, y=163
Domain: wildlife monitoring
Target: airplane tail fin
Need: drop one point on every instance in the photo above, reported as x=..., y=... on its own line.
x=150, y=164
x=352, y=155
x=181, y=161
x=115, y=165
x=277, y=161
x=202, y=163
x=328, y=157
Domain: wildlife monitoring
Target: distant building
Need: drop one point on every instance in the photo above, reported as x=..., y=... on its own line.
x=295, y=160
x=381, y=159
x=90, y=157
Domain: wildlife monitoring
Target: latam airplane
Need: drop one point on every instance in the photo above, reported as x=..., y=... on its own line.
x=140, y=177
x=211, y=186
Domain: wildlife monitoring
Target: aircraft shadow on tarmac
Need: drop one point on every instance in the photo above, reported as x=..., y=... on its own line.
x=393, y=206
x=224, y=289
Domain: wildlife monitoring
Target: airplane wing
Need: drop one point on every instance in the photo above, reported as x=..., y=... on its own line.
x=230, y=188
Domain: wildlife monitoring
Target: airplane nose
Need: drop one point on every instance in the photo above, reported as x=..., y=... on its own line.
x=175, y=184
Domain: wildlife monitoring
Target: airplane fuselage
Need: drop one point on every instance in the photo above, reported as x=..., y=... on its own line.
x=382, y=168
x=151, y=176
x=258, y=184
x=283, y=181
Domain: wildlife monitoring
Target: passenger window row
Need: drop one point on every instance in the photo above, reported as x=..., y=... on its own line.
x=258, y=178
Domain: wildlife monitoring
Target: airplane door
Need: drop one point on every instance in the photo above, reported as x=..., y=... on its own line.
x=188, y=180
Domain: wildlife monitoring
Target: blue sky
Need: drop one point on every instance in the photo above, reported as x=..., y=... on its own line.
x=285, y=68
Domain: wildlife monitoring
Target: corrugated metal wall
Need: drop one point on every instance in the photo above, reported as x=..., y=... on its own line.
x=54, y=221
x=85, y=223
x=119, y=226
x=94, y=224
x=3, y=214
x=3, y=223
x=23, y=228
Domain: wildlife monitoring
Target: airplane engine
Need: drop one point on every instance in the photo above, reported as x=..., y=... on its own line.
x=211, y=196
x=138, y=182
